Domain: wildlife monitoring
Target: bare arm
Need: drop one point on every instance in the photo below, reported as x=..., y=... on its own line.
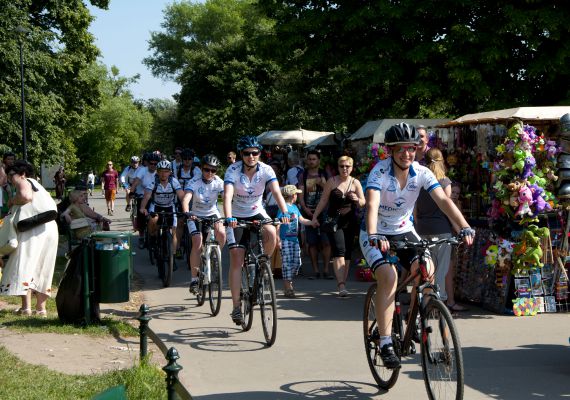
x=186, y=201
x=24, y=193
x=372, y=204
x=3, y=176
x=301, y=198
x=450, y=209
x=228, y=196
x=145, y=200
x=358, y=195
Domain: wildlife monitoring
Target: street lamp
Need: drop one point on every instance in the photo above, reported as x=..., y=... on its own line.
x=22, y=31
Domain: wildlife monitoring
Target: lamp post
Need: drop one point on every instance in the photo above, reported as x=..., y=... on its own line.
x=21, y=32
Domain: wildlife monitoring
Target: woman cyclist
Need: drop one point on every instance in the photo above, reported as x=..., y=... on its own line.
x=244, y=184
x=391, y=193
x=162, y=195
x=204, y=190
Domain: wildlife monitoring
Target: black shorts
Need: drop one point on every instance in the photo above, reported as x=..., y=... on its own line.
x=241, y=235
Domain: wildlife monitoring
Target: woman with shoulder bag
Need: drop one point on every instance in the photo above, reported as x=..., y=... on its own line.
x=343, y=194
x=81, y=218
x=30, y=267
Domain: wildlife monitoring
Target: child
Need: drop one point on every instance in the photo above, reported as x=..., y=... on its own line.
x=288, y=233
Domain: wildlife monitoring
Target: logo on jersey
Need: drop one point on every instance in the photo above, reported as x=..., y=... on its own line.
x=201, y=190
x=392, y=186
x=412, y=187
x=398, y=202
x=257, y=178
x=243, y=179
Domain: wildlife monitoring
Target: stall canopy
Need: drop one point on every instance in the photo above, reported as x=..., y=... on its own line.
x=300, y=136
x=326, y=140
x=375, y=130
x=527, y=114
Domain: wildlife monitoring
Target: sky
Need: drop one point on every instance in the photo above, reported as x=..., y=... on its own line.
x=122, y=34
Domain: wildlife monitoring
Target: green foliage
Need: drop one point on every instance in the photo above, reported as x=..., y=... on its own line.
x=56, y=51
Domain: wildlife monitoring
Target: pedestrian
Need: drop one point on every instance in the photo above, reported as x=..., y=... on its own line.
x=343, y=194
x=143, y=178
x=59, y=180
x=289, y=235
x=423, y=144
x=312, y=183
x=110, y=183
x=231, y=157
x=295, y=170
x=177, y=162
x=90, y=182
x=6, y=190
x=127, y=178
x=81, y=218
x=29, y=269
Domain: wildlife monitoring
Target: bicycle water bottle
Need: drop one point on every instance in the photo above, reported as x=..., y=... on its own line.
x=251, y=272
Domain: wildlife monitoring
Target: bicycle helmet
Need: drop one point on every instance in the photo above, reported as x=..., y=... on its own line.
x=187, y=154
x=210, y=159
x=135, y=159
x=245, y=142
x=154, y=157
x=164, y=164
x=401, y=133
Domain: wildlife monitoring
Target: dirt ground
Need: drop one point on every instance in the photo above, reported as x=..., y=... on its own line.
x=81, y=354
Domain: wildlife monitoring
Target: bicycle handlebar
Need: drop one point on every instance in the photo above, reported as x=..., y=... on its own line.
x=423, y=244
x=256, y=224
x=196, y=218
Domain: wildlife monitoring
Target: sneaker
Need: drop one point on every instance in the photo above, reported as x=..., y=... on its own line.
x=237, y=316
x=111, y=213
x=141, y=243
x=194, y=287
x=289, y=293
x=389, y=357
x=128, y=208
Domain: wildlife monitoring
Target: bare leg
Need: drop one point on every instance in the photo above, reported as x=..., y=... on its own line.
x=314, y=253
x=195, y=255
x=236, y=261
x=339, y=267
x=387, y=279
x=41, y=301
x=326, y=253
x=269, y=239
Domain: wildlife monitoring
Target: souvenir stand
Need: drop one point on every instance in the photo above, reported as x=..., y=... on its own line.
x=506, y=162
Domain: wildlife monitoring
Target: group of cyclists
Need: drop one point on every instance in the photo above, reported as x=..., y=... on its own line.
x=391, y=192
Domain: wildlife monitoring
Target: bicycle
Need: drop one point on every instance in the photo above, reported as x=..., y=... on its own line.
x=160, y=247
x=441, y=355
x=134, y=209
x=257, y=285
x=210, y=274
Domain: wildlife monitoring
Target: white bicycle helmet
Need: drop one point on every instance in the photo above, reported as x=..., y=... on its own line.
x=164, y=164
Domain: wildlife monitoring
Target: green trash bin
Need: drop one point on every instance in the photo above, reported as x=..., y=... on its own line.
x=112, y=264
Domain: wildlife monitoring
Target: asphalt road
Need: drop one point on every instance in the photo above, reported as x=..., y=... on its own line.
x=319, y=350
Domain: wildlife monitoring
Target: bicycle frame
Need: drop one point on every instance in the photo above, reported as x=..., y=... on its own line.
x=208, y=243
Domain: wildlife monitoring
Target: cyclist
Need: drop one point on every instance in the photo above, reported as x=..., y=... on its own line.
x=244, y=184
x=205, y=190
x=127, y=178
x=162, y=195
x=144, y=177
x=392, y=190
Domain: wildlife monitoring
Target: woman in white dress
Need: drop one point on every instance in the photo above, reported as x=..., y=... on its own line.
x=30, y=267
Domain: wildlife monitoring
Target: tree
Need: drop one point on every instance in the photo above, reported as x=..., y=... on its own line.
x=56, y=53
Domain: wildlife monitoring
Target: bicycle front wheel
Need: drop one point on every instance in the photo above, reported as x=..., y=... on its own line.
x=215, y=287
x=168, y=259
x=442, y=359
x=201, y=294
x=246, y=298
x=267, y=302
x=384, y=377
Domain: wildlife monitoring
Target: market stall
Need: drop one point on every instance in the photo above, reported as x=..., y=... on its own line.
x=508, y=172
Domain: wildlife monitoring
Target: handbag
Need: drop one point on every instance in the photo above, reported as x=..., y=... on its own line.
x=41, y=210
x=79, y=223
x=8, y=235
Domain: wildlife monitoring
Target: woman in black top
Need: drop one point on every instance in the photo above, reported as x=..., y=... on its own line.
x=343, y=194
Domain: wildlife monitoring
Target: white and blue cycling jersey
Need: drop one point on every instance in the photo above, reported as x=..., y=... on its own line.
x=146, y=178
x=128, y=176
x=248, y=194
x=164, y=195
x=205, y=196
x=397, y=204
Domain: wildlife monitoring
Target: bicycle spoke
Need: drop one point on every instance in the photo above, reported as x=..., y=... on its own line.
x=215, y=287
x=267, y=303
x=442, y=360
x=246, y=299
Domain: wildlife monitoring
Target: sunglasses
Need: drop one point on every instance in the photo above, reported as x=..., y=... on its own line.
x=345, y=166
x=152, y=163
x=408, y=149
x=211, y=170
x=254, y=153
x=109, y=165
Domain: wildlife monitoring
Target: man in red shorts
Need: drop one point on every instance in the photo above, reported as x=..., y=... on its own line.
x=110, y=179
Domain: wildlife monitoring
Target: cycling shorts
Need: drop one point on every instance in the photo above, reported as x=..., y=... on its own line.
x=240, y=236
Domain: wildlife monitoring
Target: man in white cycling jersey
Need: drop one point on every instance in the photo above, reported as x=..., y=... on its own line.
x=391, y=193
x=244, y=184
x=204, y=191
x=127, y=178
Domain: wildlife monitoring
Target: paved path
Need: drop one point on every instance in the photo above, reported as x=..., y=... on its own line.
x=319, y=349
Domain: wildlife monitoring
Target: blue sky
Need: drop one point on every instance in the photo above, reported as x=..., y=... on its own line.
x=122, y=35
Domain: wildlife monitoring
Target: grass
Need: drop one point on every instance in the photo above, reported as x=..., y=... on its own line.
x=20, y=380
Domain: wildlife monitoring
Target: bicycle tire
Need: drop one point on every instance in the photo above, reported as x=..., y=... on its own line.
x=201, y=291
x=246, y=299
x=151, y=249
x=215, y=286
x=267, y=302
x=168, y=257
x=442, y=365
x=384, y=377
x=186, y=244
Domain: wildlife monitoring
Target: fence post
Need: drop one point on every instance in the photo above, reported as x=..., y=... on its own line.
x=172, y=369
x=143, y=318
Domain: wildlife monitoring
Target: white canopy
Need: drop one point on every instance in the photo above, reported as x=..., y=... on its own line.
x=376, y=129
x=523, y=113
x=300, y=136
x=326, y=140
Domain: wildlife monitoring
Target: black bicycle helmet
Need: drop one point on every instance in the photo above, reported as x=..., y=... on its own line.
x=246, y=142
x=401, y=133
x=155, y=156
x=210, y=159
x=187, y=154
